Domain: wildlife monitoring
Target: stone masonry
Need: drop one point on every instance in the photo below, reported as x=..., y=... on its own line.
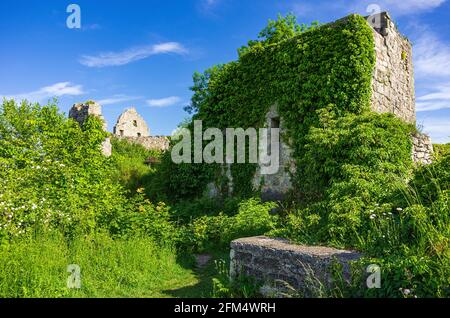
x=80, y=112
x=150, y=142
x=422, y=149
x=392, y=91
x=274, y=186
x=393, y=76
x=284, y=268
x=131, y=124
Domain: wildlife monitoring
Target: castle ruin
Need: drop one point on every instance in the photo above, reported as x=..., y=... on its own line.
x=130, y=126
x=392, y=92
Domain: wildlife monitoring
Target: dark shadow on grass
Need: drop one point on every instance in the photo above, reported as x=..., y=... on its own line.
x=204, y=275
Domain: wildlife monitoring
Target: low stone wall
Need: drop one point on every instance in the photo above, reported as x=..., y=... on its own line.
x=422, y=149
x=284, y=267
x=151, y=142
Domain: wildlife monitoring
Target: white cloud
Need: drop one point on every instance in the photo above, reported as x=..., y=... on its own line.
x=432, y=70
x=437, y=128
x=341, y=7
x=437, y=99
x=411, y=6
x=443, y=93
x=396, y=7
x=131, y=55
x=431, y=56
x=48, y=92
x=164, y=102
x=117, y=99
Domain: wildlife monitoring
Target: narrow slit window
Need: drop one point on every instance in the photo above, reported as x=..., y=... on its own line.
x=275, y=122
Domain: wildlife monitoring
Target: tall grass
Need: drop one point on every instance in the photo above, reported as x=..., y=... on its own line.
x=135, y=267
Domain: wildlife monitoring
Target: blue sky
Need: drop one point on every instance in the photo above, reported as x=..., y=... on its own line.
x=143, y=53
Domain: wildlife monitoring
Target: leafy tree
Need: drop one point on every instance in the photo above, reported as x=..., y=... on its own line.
x=200, y=88
x=282, y=28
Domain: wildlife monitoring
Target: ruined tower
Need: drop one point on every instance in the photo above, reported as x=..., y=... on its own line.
x=131, y=124
x=80, y=113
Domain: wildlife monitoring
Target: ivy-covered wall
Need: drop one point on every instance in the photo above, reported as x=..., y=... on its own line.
x=317, y=81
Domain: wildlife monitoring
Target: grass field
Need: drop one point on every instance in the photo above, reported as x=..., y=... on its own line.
x=109, y=268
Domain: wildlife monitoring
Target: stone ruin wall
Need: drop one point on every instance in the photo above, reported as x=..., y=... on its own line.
x=392, y=92
x=393, y=76
x=150, y=142
x=80, y=113
x=273, y=186
x=422, y=149
x=286, y=269
x=136, y=132
x=132, y=127
x=131, y=124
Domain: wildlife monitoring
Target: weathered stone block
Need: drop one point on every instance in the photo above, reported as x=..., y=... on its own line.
x=277, y=263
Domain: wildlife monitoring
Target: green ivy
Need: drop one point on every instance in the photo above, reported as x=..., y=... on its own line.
x=300, y=69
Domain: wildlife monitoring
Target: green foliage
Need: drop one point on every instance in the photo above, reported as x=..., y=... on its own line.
x=143, y=218
x=206, y=232
x=54, y=176
x=278, y=30
x=200, y=88
x=53, y=173
x=347, y=154
x=327, y=67
x=432, y=181
x=405, y=230
x=441, y=151
x=131, y=170
x=240, y=287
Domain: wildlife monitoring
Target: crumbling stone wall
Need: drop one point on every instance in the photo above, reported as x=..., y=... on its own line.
x=393, y=76
x=282, y=266
x=150, y=142
x=422, y=149
x=80, y=112
x=275, y=186
x=392, y=91
x=131, y=124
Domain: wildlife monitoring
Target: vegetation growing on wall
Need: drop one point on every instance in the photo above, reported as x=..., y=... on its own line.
x=302, y=70
x=62, y=202
x=355, y=180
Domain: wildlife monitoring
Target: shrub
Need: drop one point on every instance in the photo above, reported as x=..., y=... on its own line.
x=53, y=173
x=130, y=169
x=206, y=232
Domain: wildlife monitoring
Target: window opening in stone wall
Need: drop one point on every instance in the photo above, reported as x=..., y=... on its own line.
x=275, y=122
